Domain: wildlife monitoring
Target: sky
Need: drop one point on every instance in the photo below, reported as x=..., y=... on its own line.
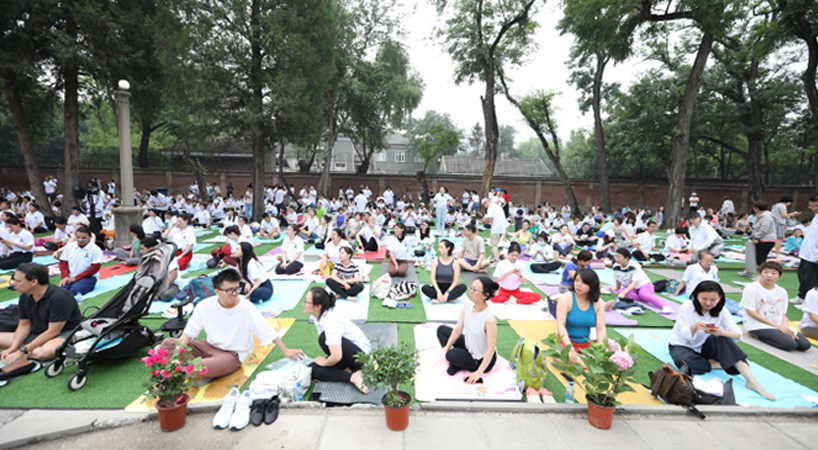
x=546, y=69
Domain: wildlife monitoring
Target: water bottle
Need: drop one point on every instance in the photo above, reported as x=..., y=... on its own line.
x=298, y=393
x=570, y=392
x=79, y=298
x=202, y=266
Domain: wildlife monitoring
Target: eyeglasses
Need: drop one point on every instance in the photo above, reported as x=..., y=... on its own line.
x=476, y=290
x=231, y=291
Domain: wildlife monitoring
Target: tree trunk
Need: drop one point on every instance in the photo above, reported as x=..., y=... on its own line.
x=424, y=185
x=599, y=132
x=198, y=172
x=257, y=110
x=363, y=169
x=145, y=142
x=804, y=30
x=20, y=118
x=755, y=138
x=491, y=128
x=325, y=181
x=681, y=141
x=71, y=111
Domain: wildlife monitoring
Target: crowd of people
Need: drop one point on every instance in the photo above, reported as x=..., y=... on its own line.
x=548, y=237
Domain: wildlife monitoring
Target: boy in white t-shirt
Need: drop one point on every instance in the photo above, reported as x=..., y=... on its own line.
x=80, y=262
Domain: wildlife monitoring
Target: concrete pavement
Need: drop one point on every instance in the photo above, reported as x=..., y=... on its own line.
x=453, y=426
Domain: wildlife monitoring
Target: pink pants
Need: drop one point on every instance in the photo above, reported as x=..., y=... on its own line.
x=523, y=298
x=218, y=362
x=645, y=294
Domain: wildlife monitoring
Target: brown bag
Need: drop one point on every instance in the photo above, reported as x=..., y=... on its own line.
x=674, y=387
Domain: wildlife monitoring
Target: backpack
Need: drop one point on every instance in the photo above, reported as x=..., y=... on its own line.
x=200, y=288
x=660, y=285
x=9, y=319
x=381, y=286
x=404, y=290
x=529, y=364
x=672, y=386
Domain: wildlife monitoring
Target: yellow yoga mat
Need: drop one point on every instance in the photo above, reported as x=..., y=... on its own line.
x=537, y=330
x=217, y=389
x=794, y=324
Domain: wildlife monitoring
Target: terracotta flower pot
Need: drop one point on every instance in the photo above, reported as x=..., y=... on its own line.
x=397, y=419
x=600, y=416
x=173, y=417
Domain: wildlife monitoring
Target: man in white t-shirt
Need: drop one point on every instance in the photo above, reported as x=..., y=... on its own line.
x=80, y=262
x=229, y=322
x=694, y=274
x=269, y=227
x=497, y=219
x=703, y=237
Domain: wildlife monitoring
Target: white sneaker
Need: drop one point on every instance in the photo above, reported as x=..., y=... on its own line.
x=666, y=310
x=389, y=303
x=222, y=418
x=797, y=300
x=241, y=416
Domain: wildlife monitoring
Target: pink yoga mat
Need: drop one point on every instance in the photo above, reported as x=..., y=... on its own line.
x=614, y=318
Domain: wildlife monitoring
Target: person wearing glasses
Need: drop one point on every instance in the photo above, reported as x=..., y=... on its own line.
x=230, y=322
x=472, y=344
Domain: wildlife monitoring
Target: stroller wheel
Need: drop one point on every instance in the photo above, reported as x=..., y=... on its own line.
x=77, y=381
x=54, y=369
x=175, y=333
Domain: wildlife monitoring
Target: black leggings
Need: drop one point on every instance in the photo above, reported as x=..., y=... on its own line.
x=370, y=245
x=762, y=250
x=292, y=268
x=778, y=339
x=354, y=288
x=720, y=348
x=337, y=372
x=640, y=256
x=545, y=267
x=429, y=291
x=15, y=259
x=458, y=356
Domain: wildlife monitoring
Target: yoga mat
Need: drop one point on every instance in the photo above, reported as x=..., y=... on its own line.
x=314, y=252
x=805, y=360
x=200, y=247
x=218, y=388
x=286, y=295
x=730, y=304
x=411, y=274
x=552, y=278
x=469, y=277
x=271, y=255
x=432, y=383
x=548, y=289
x=443, y=312
x=733, y=255
x=534, y=311
x=380, y=255
x=116, y=269
x=44, y=260
x=677, y=275
x=307, y=273
x=343, y=393
x=794, y=324
x=216, y=240
x=381, y=334
x=358, y=311
x=788, y=392
x=615, y=318
x=539, y=330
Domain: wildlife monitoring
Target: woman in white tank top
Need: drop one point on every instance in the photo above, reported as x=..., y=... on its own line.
x=472, y=344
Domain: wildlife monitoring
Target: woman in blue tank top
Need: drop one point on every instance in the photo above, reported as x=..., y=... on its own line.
x=578, y=311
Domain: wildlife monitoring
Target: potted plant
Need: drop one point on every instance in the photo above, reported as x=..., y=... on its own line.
x=387, y=368
x=169, y=383
x=604, y=373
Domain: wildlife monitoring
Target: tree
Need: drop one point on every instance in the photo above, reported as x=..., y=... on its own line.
x=484, y=37
x=386, y=91
x=437, y=140
x=477, y=140
x=432, y=120
x=603, y=32
x=505, y=141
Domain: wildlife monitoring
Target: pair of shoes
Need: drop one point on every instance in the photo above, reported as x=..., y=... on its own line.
x=745, y=274
x=797, y=300
x=264, y=410
x=170, y=312
x=666, y=310
x=235, y=411
x=389, y=303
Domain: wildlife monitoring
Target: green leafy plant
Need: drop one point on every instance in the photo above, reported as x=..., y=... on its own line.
x=171, y=374
x=387, y=368
x=605, y=371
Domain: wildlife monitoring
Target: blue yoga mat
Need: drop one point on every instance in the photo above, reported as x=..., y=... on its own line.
x=730, y=304
x=552, y=278
x=44, y=260
x=443, y=312
x=286, y=295
x=788, y=392
x=313, y=251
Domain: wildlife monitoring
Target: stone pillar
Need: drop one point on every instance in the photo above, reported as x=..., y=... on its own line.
x=127, y=214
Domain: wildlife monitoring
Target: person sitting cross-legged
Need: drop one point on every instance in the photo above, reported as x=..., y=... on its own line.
x=230, y=322
x=80, y=262
x=48, y=316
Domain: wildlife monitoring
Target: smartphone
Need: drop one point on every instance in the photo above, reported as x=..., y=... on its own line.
x=711, y=326
x=479, y=380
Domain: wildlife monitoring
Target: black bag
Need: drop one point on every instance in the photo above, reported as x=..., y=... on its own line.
x=9, y=318
x=660, y=285
x=213, y=262
x=672, y=386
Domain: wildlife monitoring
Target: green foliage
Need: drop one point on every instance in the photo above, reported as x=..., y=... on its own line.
x=389, y=367
x=604, y=372
x=433, y=136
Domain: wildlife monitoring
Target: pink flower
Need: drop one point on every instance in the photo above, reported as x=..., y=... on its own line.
x=166, y=373
x=623, y=360
x=182, y=351
x=148, y=361
x=613, y=345
x=164, y=361
x=178, y=368
x=189, y=368
x=203, y=371
x=150, y=351
x=155, y=373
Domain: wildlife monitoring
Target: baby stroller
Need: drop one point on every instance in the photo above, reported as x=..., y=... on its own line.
x=114, y=331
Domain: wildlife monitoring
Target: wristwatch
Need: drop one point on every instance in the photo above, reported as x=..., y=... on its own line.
x=24, y=350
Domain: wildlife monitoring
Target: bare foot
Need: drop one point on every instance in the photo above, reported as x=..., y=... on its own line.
x=761, y=391
x=512, y=300
x=609, y=305
x=357, y=379
x=434, y=301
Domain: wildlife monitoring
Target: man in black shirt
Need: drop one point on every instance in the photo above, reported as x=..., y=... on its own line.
x=48, y=315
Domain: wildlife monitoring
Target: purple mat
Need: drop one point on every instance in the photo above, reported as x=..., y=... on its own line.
x=670, y=315
x=548, y=289
x=613, y=318
x=269, y=256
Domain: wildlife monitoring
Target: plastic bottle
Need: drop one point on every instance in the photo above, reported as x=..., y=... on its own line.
x=570, y=392
x=298, y=393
